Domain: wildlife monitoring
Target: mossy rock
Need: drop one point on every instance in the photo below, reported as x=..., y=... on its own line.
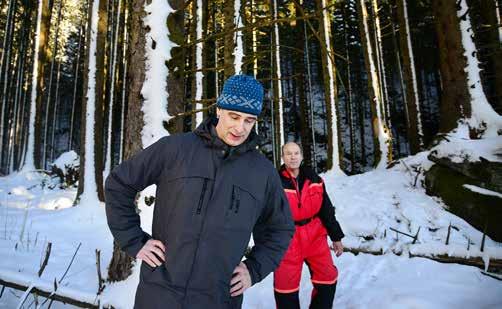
x=481, y=211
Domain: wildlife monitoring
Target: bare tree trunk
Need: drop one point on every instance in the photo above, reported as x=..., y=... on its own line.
x=415, y=135
x=176, y=66
x=81, y=29
x=121, y=263
x=229, y=59
x=381, y=134
x=348, y=93
x=455, y=99
x=330, y=88
x=92, y=131
x=277, y=86
x=40, y=59
x=299, y=68
x=49, y=88
x=6, y=66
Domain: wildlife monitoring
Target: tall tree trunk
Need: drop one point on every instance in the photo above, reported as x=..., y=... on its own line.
x=176, y=66
x=229, y=57
x=381, y=134
x=380, y=63
x=330, y=88
x=49, y=88
x=277, y=86
x=121, y=263
x=113, y=64
x=91, y=158
x=81, y=29
x=490, y=15
x=348, y=91
x=239, y=48
x=414, y=122
x=6, y=64
x=196, y=34
x=33, y=156
x=299, y=69
x=55, y=114
x=455, y=95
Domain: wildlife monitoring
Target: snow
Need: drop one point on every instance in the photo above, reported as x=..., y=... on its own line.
x=482, y=114
x=367, y=206
x=459, y=149
x=66, y=160
x=482, y=191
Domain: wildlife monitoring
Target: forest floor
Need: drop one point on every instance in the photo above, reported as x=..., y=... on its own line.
x=34, y=212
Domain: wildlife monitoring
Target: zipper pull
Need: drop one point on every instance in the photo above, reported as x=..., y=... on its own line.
x=233, y=199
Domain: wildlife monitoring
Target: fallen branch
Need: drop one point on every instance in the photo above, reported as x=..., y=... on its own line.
x=415, y=238
x=494, y=276
x=46, y=259
x=495, y=265
x=101, y=286
x=40, y=292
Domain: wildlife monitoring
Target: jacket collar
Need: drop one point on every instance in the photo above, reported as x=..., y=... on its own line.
x=207, y=131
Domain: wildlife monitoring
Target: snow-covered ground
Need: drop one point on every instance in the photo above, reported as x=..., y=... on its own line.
x=34, y=211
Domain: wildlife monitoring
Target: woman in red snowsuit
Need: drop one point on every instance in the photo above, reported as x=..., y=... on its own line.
x=314, y=217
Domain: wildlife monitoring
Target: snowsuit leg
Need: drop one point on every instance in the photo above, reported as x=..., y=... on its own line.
x=324, y=273
x=287, y=277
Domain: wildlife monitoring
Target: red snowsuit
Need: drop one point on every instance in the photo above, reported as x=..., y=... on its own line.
x=314, y=219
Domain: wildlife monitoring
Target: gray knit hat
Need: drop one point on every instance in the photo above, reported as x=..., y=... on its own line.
x=242, y=93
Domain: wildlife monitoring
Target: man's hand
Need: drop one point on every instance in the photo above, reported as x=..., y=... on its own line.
x=151, y=252
x=241, y=280
x=337, y=246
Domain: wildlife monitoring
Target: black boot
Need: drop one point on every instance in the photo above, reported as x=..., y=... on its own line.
x=287, y=300
x=323, y=296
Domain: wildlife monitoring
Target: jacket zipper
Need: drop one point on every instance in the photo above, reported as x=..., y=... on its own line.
x=298, y=193
x=238, y=201
x=201, y=200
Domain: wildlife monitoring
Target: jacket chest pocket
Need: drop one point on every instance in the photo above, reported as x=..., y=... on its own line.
x=240, y=214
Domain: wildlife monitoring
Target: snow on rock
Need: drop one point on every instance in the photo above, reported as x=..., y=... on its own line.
x=483, y=191
x=66, y=160
x=461, y=150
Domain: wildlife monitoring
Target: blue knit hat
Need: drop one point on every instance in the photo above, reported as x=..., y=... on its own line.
x=242, y=93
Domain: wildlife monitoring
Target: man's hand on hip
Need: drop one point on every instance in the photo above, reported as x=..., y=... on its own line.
x=152, y=252
x=241, y=280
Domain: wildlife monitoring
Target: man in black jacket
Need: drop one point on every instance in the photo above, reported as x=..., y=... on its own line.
x=213, y=190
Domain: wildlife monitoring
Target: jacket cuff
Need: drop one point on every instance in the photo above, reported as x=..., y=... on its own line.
x=133, y=249
x=252, y=273
x=336, y=236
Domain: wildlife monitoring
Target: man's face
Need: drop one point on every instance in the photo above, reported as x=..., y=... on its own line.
x=234, y=127
x=292, y=156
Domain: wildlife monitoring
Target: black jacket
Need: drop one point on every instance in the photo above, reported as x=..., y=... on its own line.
x=209, y=199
